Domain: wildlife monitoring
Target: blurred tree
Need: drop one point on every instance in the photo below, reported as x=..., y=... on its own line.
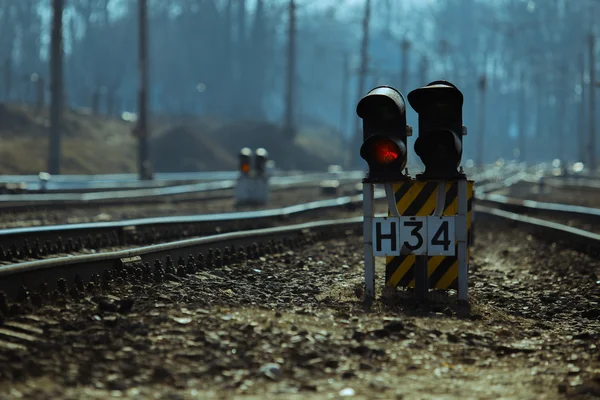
x=226, y=58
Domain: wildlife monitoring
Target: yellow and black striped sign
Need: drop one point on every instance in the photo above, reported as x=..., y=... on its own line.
x=419, y=198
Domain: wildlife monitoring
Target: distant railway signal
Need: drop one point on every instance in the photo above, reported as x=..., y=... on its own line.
x=260, y=161
x=439, y=145
x=44, y=178
x=384, y=148
x=252, y=187
x=245, y=159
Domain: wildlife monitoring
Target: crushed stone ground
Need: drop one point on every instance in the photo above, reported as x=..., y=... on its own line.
x=292, y=325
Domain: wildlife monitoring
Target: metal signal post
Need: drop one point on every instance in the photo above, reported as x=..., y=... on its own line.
x=425, y=236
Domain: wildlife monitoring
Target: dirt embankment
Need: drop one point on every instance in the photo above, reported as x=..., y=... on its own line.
x=96, y=145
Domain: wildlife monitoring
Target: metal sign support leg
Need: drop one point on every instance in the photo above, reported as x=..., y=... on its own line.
x=421, y=277
x=472, y=238
x=368, y=214
x=462, y=238
x=422, y=262
x=391, y=200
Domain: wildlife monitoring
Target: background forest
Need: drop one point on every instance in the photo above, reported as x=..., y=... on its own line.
x=228, y=59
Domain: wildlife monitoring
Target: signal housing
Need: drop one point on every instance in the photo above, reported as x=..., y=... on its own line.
x=383, y=111
x=261, y=156
x=245, y=158
x=439, y=145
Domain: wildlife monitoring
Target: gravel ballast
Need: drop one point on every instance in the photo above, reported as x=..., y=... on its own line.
x=292, y=325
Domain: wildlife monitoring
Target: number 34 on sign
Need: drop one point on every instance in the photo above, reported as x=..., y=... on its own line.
x=432, y=235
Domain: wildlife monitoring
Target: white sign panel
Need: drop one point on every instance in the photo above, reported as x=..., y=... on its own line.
x=413, y=234
x=433, y=235
x=441, y=236
x=386, y=236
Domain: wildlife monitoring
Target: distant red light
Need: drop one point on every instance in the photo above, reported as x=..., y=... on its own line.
x=386, y=152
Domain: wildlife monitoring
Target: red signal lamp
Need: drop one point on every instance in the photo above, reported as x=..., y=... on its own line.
x=245, y=158
x=385, y=151
x=386, y=157
x=383, y=115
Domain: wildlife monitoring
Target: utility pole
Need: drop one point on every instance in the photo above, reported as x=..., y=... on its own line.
x=344, y=102
x=7, y=79
x=581, y=134
x=289, y=127
x=404, y=84
x=540, y=121
x=423, y=66
x=144, y=167
x=362, y=75
x=56, y=61
x=444, y=49
x=561, y=152
x=592, y=95
x=481, y=120
x=522, y=91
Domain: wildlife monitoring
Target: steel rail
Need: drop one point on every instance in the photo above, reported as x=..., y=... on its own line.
x=577, y=239
x=36, y=273
x=94, y=184
x=133, y=178
x=531, y=206
x=126, y=231
x=137, y=261
x=20, y=202
x=16, y=280
x=565, y=182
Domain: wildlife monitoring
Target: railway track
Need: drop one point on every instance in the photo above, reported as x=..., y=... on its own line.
x=31, y=249
x=109, y=182
x=586, y=218
x=51, y=241
x=25, y=245
x=202, y=203
x=552, y=190
x=277, y=310
x=180, y=193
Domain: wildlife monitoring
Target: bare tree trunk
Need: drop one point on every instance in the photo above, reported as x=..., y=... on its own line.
x=592, y=112
x=144, y=167
x=482, y=86
x=40, y=93
x=289, y=126
x=362, y=76
x=110, y=102
x=8, y=79
x=344, y=100
x=56, y=54
x=582, y=115
x=522, y=114
x=423, y=70
x=404, y=83
x=95, y=100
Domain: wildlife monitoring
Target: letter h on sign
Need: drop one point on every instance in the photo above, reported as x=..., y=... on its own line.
x=386, y=243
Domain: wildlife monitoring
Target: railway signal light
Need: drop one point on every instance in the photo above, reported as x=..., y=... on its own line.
x=260, y=161
x=439, y=145
x=44, y=179
x=245, y=158
x=383, y=112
